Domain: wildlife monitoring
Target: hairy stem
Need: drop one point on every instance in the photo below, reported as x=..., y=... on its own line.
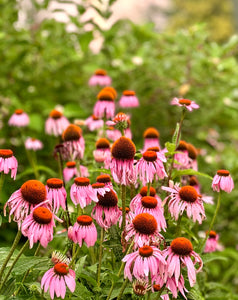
x=100, y=257
x=123, y=201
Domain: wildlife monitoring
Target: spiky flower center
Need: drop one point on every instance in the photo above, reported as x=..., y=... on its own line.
x=120, y=117
x=19, y=111
x=151, y=133
x=100, y=72
x=103, y=178
x=139, y=289
x=144, y=190
x=72, y=133
x=146, y=251
x=112, y=90
x=149, y=202
x=6, y=153
x=185, y=102
x=192, y=151
x=103, y=144
x=98, y=185
x=145, y=223
x=54, y=183
x=33, y=191
x=188, y=193
x=182, y=146
x=105, y=95
x=150, y=156
x=84, y=220
x=95, y=118
x=108, y=200
x=61, y=269
x=55, y=114
x=129, y=93
x=212, y=234
x=123, y=148
x=193, y=181
x=155, y=149
x=81, y=181
x=42, y=215
x=71, y=164
x=126, y=208
x=181, y=246
x=223, y=173
x=157, y=287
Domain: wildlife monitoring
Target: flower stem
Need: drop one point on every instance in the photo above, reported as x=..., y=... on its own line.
x=148, y=188
x=2, y=178
x=14, y=245
x=123, y=201
x=74, y=257
x=100, y=257
x=122, y=289
x=178, y=229
x=14, y=262
x=159, y=293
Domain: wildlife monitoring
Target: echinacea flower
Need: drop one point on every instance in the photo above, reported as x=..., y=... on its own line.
x=212, y=242
x=100, y=77
x=19, y=119
x=188, y=104
x=94, y=123
x=8, y=162
x=56, y=123
x=33, y=144
x=128, y=99
x=38, y=226
x=102, y=152
x=22, y=201
x=178, y=255
x=71, y=171
x=57, y=278
x=123, y=151
x=56, y=193
x=151, y=138
x=84, y=230
x=106, y=212
x=181, y=156
x=192, y=154
x=140, y=287
x=105, y=105
x=150, y=166
x=106, y=179
x=186, y=199
x=73, y=142
x=129, y=216
x=58, y=257
x=222, y=181
x=145, y=263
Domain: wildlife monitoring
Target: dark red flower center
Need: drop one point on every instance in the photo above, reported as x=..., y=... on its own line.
x=145, y=223
x=54, y=183
x=151, y=133
x=42, y=215
x=129, y=93
x=33, y=191
x=181, y=246
x=212, y=234
x=149, y=202
x=103, y=144
x=188, y=193
x=144, y=189
x=123, y=148
x=95, y=118
x=71, y=164
x=98, y=185
x=112, y=90
x=100, y=72
x=193, y=181
x=72, y=133
x=61, y=269
x=139, y=289
x=108, y=200
x=55, y=114
x=19, y=111
x=150, y=156
x=192, y=151
x=146, y=251
x=6, y=153
x=182, y=146
x=84, y=220
x=155, y=149
x=81, y=181
x=156, y=287
x=223, y=173
x=185, y=102
x=105, y=95
x=103, y=178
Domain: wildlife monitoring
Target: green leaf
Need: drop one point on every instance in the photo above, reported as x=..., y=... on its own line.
x=212, y=256
x=178, y=173
x=79, y=266
x=176, y=138
x=170, y=147
x=27, y=262
x=195, y=294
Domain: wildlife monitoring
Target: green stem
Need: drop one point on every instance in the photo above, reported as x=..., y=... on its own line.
x=74, y=257
x=14, y=245
x=100, y=257
x=2, y=178
x=123, y=201
x=78, y=167
x=132, y=191
x=92, y=255
x=14, y=262
x=148, y=188
x=178, y=229
x=122, y=289
x=159, y=293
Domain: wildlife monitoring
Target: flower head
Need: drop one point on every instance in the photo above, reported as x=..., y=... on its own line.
x=105, y=105
x=106, y=179
x=33, y=144
x=222, y=181
x=128, y=99
x=74, y=144
x=56, y=123
x=188, y=104
x=94, y=123
x=56, y=193
x=143, y=192
x=102, y=152
x=100, y=77
x=212, y=242
x=151, y=138
x=8, y=162
x=19, y=119
x=71, y=171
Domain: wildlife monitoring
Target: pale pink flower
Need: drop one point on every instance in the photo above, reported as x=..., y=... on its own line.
x=129, y=216
x=71, y=171
x=151, y=138
x=106, y=179
x=57, y=278
x=181, y=157
x=56, y=123
x=192, y=155
x=100, y=77
x=128, y=99
x=33, y=144
x=93, y=123
x=84, y=230
x=212, y=242
x=180, y=254
x=8, y=162
x=19, y=119
x=56, y=193
x=102, y=152
x=222, y=181
x=188, y=104
x=186, y=199
x=105, y=105
x=73, y=142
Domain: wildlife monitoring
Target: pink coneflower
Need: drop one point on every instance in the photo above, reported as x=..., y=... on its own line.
x=22, y=201
x=100, y=77
x=113, y=134
x=186, y=199
x=57, y=278
x=128, y=99
x=106, y=179
x=149, y=166
x=212, y=242
x=151, y=138
x=56, y=123
x=146, y=262
x=192, y=154
x=106, y=212
x=144, y=231
x=190, y=105
x=82, y=193
x=120, y=121
x=19, y=119
x=73, y=142
x=129, y=216
x=94, y=123
x=181, y=157
x=71, y=171
x=181, y=251
x=8, y=162
x=123, y=151
x=38, y=226
x=105, y=105
x=56, y=193
x=149, y=204
x=58, y=257
x=222, y=181
x=140, y=287
x=33, y=144
x=100, y=188
x=102, y=152
x=84, y=230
